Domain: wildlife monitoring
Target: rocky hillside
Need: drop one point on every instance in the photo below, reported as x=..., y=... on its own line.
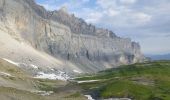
x=31, y=34
x=17, y=84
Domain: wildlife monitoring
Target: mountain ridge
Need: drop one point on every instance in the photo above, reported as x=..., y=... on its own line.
x=160, y=57
x=65, y=37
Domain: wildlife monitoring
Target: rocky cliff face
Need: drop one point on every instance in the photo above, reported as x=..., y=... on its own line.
x=64, y=36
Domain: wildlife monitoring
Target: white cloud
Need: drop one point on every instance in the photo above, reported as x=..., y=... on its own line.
x=112, y=12
x=127, y=2
x=141, y=18
x=118, y=13
x=94, y=17
x=105, y=4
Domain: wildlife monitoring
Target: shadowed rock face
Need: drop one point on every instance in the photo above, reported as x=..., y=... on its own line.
x=62, y=35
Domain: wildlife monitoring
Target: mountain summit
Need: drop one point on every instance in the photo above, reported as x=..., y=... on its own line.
x=29, y=34
x=64, y=9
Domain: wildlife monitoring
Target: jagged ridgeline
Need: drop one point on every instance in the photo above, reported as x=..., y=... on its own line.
x=64, y=36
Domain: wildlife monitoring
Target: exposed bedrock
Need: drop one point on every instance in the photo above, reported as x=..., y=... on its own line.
x=65, y=36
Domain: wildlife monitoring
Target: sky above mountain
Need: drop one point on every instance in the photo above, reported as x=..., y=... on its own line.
x=144, y=21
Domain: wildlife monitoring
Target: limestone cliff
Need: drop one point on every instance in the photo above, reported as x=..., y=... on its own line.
x=64, y=36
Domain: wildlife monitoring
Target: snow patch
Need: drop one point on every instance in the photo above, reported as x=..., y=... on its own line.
x=89, y=97
x=60, y=76
x=5, y=74
x=44, y=93
x=88, y=81
x=10, y=61
x=34, y=66
x=22, y=43
x=76, y=71
x=81, y=77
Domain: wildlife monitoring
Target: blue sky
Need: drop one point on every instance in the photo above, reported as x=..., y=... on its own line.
x=144, y=21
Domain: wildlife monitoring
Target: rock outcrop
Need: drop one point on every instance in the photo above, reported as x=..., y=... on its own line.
x=64, y=36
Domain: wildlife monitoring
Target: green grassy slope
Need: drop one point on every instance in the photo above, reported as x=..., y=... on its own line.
x=143, y=81
x=147, y=81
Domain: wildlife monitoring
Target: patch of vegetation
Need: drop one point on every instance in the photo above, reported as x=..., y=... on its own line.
x=142, y=81
x=5, y=94
x=124, y=88
x=12, y=78
x=74, y=95
x=45, y=86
